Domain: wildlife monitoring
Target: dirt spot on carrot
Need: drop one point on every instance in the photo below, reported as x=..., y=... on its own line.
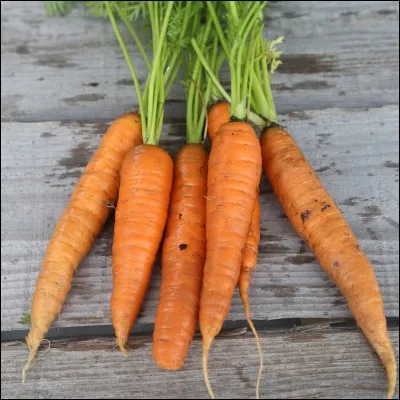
x=325, y=207
x=180, y=216
x=336, y=264
x=183, y=246
x=300, y=259
x=305, y=215
x=306, y=64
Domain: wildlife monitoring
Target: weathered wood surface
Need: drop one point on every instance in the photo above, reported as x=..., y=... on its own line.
x=336, y=54
x=312, y=364
x=355, y=153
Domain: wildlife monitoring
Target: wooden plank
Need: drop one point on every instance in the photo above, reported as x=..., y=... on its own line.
x=313, y=364
x=336, y=54
x=354, y=152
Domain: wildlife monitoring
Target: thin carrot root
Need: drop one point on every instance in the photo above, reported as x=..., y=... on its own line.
x=28, y=364
x=389, y=362
x=206, y=349
x=122, y=346
x=244, y=284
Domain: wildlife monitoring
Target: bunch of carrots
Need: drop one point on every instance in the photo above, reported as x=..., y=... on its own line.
x=205, y=203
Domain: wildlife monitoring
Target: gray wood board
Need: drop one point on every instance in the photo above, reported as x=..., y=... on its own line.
x=355, y=152
x=311, y=364
x=336, y=54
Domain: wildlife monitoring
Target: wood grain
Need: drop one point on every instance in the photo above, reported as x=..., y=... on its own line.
x=310, y=364
x=355, y=152
x=336, y=54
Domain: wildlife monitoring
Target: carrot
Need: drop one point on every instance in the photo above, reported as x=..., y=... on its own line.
x=77, y=228
x=234, y=168
x=183, y=256
x=218, y=115
x=146, y=180
x=318, y=220
x=184, y=248
x=147, y=171
x=233, y=176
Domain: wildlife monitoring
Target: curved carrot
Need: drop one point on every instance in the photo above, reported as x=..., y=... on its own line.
x=183, y=256
x=320, y=223
x=218, y=115
x=249, y=263
x=234, y=170
x=81, y=222
x=140, y=217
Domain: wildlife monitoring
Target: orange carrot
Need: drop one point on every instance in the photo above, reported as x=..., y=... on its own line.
x=320, y=223
x=234, y=171
x=183, y=256
x=218, y=115
x=249, y=263
x=140, y=217
x=81, y=222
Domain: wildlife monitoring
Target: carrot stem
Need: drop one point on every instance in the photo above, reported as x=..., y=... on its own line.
x=128, y=61
x=133, y=33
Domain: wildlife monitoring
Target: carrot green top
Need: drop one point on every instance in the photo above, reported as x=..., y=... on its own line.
x=200, y=90
x=169, y=21
x=251, y=59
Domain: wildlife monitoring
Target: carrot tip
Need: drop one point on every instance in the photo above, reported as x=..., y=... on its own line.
x=206, y=348
x=246, y=305
x=28, y=364
x=391, y=370
x=122, y=346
